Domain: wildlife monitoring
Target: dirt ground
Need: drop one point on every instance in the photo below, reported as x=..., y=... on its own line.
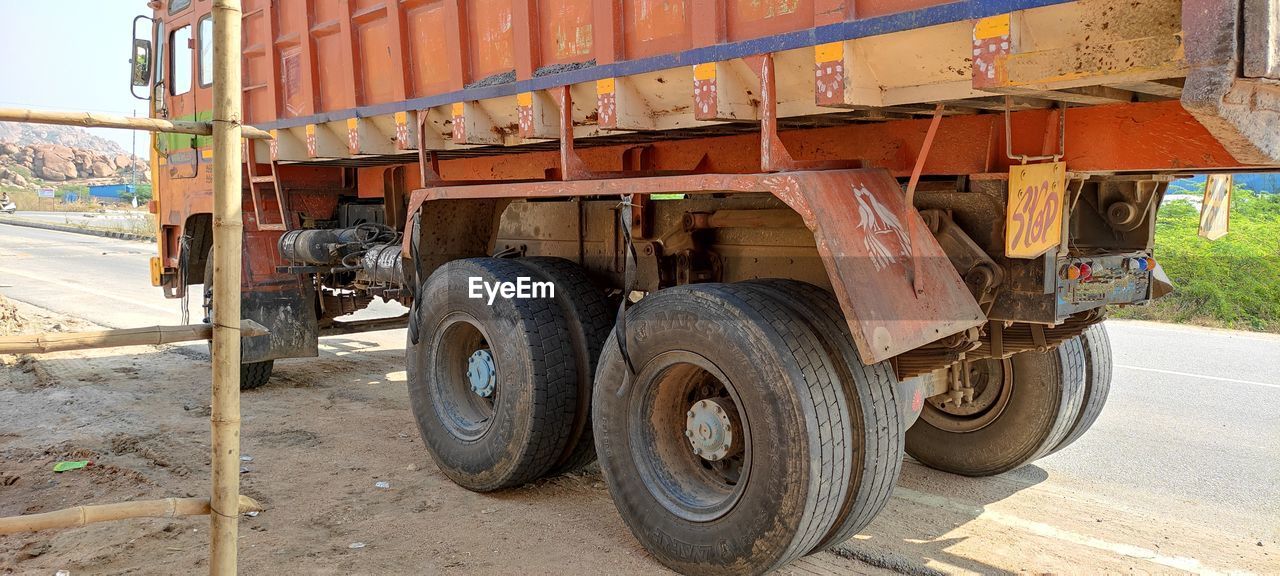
x=325, y=430
x=320, y=436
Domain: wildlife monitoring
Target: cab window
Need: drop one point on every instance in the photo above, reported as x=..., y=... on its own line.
x=206, y=51
x=176, y=6
x=180, y=48
x=162, y=63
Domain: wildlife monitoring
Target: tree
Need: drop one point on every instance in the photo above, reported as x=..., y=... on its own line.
x=142, y=192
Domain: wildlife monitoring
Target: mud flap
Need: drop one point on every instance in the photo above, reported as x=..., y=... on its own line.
x=288, y=311
x=873, y=246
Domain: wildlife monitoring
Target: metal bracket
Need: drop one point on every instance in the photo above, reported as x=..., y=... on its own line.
x=774, y=156
x=1008, y=135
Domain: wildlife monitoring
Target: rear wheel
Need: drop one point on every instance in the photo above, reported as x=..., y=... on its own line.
x=875, y=422
x=727, y=451
x=252, y=374
x=589, y=319
x=1020, y=409
x=1096, y=346
x=493, y=386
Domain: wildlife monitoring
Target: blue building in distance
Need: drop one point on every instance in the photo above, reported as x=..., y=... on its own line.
x=111, y=191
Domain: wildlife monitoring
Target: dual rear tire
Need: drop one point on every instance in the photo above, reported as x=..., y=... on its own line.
x=501, y=388
x=750, y=434
x=739, y=431
x=1025, y=408
x=804, y=455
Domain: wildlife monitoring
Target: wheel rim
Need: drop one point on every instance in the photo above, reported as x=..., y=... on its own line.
x=992, y=381
x=464, y=377
x=692, y=441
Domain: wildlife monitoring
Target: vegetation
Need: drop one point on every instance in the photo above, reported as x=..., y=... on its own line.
x=1232, y=282
x=142, y=191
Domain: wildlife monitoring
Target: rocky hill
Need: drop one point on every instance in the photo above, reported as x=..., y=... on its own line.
x=69, y=136
x=32, y=155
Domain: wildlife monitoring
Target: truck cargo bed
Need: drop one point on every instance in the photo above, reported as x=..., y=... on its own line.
x=359, y=78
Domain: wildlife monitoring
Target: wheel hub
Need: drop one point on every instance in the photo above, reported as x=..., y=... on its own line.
x=977, y=396
x=710, y=429
x=481, y=373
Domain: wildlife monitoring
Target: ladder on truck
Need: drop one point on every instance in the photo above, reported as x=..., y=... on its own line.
x=266, y=219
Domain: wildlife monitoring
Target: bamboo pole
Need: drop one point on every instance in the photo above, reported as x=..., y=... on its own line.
x=227, y=229
x=95, y=120
x=154, y=335
x=93, y=513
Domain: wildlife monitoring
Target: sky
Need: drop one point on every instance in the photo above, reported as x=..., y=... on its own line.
x=71, y=55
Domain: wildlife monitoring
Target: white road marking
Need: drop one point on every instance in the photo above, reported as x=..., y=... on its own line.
x=1190, y=375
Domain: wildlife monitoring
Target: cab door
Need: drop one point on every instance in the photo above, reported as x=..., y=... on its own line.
x=176, y=100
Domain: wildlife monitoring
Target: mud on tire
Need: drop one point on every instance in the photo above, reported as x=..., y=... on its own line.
x=875, y=423
x=590, y=319
x=489, y=434
x=726, y=362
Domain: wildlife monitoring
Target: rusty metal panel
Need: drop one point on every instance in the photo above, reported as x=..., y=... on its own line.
x=870, y=241
x=566, y=31
x=429, y=62
x=374, y=39
x=490, y=39
x=755, y=18
x=656, y=27
x=336, y=76
x=258, y=43
x=1242, y=114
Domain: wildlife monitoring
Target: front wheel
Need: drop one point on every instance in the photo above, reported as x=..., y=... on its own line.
x=252, y=374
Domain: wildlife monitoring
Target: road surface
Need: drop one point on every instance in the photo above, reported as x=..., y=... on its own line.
x=117, y=220
x=1181, y=473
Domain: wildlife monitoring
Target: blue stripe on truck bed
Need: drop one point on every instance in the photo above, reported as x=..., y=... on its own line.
x=924, y=17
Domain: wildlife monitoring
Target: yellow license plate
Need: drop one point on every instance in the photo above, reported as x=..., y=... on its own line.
x=1033, y=223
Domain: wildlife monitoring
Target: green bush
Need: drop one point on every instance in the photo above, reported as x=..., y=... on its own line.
x=1232, y=282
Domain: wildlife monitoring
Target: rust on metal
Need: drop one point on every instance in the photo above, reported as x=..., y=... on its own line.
x=909, y=204
x=869, y=240
x=774, y=156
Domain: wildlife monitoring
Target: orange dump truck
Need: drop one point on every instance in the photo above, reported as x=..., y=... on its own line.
x=744, y=253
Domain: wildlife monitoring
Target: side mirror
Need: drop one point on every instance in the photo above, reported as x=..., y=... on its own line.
x=141, y=62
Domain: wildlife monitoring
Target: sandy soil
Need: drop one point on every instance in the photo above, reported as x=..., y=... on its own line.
x=320, y=436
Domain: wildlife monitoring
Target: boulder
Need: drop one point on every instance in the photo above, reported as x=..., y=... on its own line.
x=55, y=168
x=101, y=169
x=9, y=149
x=42, y=150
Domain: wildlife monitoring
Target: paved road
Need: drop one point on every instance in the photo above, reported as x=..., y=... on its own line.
x=1181, y=472
x=105, y=280
x=112, y=219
